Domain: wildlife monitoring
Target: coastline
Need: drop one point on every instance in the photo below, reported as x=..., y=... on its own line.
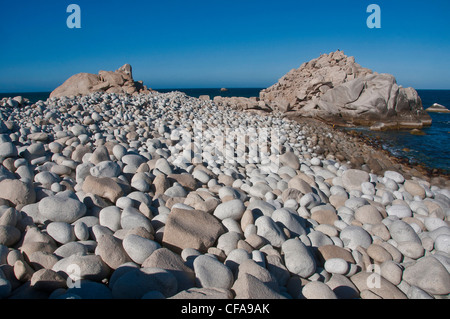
x=353, y=142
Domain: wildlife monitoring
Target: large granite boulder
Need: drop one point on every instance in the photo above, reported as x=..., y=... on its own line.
x=120, y=82
x=336, y=89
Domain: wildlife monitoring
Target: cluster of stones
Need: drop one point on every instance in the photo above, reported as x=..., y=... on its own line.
x=146, y=196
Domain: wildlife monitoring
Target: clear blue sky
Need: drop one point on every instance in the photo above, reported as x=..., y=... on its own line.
x=229, y=43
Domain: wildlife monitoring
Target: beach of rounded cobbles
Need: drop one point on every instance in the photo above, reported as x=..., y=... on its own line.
x=166, y=196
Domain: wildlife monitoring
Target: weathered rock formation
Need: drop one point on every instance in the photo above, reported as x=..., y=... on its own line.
x=437, y=108
x=336, y=89
x=119, y=81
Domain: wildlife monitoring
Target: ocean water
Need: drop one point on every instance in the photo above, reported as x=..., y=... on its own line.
x=431, y=150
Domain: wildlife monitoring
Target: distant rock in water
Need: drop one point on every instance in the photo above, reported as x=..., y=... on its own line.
x=337, y=90
x=119, y=81
x=438, y=108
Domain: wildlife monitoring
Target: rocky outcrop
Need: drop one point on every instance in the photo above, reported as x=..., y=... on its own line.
x=120, y=82
x=437, y=108
x=337, y=90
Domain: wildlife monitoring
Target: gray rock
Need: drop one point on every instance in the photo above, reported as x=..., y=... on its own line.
x=201, y=176
x=231, y=209
x=163, y=166
x=290, y=159
x=411, y=249
x=298, y=258
x=106, y=169
x=119, y=151
x=62, y=232
x=141, y=182
x=430, y=275
x=110, y=217
x=401, y=231
x=81, y=231
x=228, y=241
x=164, y=258
x=395, y=176
x=7, y=149
x=90, y=267
x=71, y=248
x=285, y=218
x=354, y=236
x=132, y=218
x=317, y=290
x=442, y=243
x=353, y=178
x=268, y=229
x=211, y=273
x=310, y=200
x=61, y=209
x=401, y=211
x=336, y=266
x=417, y=293
x=433, y=223
x=139, y=248
x=176, y=191
x=261, y=207
x=133, y=160
x=235, y=258
x=9, y=235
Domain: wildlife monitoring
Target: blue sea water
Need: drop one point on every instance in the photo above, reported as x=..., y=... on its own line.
x=431, y=149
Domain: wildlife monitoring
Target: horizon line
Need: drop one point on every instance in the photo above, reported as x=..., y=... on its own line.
x=205, y=88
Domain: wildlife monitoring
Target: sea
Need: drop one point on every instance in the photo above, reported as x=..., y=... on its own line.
x=431, y=150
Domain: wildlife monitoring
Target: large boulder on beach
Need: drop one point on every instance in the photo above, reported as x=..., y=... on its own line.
x=119, y=81
x=336, y=89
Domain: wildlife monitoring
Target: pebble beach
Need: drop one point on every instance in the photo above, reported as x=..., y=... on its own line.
x=162, y=195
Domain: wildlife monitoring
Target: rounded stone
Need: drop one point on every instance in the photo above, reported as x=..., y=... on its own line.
x=233, y=209
x=110, y=217
x=61, y=209
x=9, y=235
x=401, y=211
x=317, y=290
x=411, y=249
x=211, y=273
x=298, y=258
x=391, y=271
x=368, y=214
x=354, y=236
x=62, y=232
x=442, y=243
x=269, y=230
x=336, y=266
x=90, y=267
x=401, y=231
x=110, y=249
x=378, y=253
x=139, y=248
x=395, y=176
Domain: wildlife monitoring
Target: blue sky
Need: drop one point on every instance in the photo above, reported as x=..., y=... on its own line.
x=233, y=43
